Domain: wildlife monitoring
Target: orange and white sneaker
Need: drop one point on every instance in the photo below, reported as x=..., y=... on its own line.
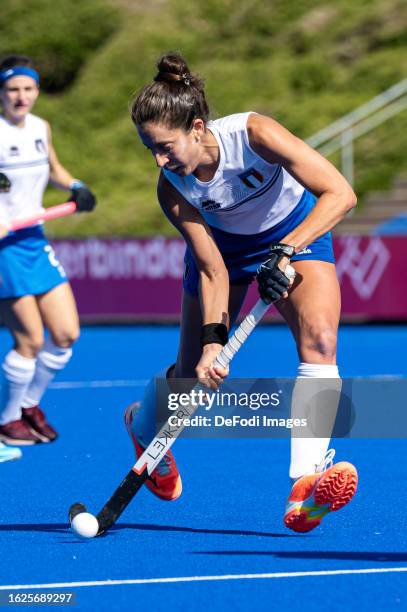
x=312, y=497
x=165, y=481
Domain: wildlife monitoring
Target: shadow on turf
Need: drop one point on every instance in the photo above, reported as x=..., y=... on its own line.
x=148, y=527
x=55, y=527
x=321, y=554
x=64, y=527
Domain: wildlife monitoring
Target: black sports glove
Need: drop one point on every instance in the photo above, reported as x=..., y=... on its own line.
x=84, y=198
x=272, y=282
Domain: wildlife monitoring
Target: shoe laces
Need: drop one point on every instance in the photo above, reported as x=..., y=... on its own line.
x=327, y=461
x=164, y=467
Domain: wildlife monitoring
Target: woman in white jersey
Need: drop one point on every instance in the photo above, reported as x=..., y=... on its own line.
x=34, y=290
x=246, y=195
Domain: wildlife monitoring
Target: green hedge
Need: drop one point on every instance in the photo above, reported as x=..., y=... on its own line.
x=61, y=36
x=306, y=63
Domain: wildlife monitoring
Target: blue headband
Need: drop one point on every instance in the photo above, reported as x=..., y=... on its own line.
x=19, y=71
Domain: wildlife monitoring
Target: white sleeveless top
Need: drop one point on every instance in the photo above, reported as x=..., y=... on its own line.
x=247, y=195
x=24, y=160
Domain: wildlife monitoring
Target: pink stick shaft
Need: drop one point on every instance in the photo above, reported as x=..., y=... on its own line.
x=54, y=212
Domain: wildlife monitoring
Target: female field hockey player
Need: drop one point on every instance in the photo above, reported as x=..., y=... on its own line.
x=34, y=290
x=247, y=195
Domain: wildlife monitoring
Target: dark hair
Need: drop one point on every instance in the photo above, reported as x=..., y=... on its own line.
x=175, y=98
x=11, y=61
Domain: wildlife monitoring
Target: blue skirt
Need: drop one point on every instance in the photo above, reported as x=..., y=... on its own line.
x=243, y=253
x=28, y=264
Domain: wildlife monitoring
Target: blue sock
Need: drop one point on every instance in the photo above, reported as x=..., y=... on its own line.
x=144, y=424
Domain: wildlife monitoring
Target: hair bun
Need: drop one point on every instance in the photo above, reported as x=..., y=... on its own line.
x=173, y=68
x=176, y=97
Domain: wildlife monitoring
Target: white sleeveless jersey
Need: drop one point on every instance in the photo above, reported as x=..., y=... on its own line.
x=247, y=195
x=24, y=160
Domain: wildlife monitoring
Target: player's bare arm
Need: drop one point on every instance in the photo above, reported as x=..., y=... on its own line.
x=214, y=278
x=59, y=176
x=62, y=179
x=276, y=144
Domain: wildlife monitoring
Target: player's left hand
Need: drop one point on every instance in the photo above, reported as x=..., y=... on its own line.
x=209, y=376
x=273, y=283
x=84, y=198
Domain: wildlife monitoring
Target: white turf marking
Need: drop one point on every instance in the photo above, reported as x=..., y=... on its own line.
x=91, y=384
x=63, y=585
x=142, y=382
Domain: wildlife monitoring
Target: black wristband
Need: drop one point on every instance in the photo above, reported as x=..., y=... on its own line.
x=216, y=333
x=282, y=249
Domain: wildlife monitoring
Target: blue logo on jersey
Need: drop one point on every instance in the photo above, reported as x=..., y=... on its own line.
x=252, y=178
x=209, y=205
x=39, y=145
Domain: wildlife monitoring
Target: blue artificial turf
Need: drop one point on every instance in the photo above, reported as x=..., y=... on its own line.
x=229, y=518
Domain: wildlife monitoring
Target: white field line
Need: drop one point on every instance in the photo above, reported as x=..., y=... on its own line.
x=89, y=384
x=142, y=382
x=97, y=583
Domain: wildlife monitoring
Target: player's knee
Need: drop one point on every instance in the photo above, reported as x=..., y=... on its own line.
x=321, y=341
x=65, y=338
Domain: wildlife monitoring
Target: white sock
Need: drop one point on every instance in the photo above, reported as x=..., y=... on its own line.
x=17, y=375
x=50, y=360
x=316, y=400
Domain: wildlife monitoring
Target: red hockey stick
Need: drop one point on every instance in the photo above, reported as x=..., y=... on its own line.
x=54, y=212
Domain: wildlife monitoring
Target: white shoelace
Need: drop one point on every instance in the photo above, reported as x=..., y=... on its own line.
x=327, y=461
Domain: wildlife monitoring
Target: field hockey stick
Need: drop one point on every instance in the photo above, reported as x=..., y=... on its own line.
x=53, y=212
x=167, y=435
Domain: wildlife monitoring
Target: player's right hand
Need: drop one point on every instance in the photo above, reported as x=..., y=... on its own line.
x=84, y=198
x=209, y=376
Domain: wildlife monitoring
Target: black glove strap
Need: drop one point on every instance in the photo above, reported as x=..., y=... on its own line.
x=279, y=248
x=272, y=282
x=214, y=333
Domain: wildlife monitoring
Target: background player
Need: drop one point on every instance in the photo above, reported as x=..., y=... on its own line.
x=34, y=292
